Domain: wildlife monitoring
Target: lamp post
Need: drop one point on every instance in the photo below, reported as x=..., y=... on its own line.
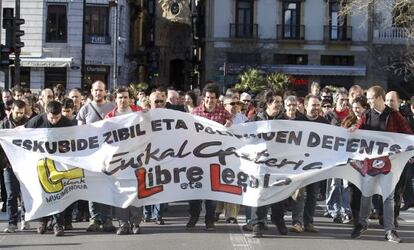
x=83, y=45
x=114, y=3
x=16, y=49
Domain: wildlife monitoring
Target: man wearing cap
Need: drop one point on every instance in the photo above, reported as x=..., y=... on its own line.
x=231, y=210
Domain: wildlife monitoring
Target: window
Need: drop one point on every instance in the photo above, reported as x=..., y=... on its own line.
x=248, y=58
x=24, y=76
x=97, y=24
x=291, y=20
x=337, y=60
x=337, y=23
x=56, y=24
x=244, y=18
x=290, y=59
x=54, y=76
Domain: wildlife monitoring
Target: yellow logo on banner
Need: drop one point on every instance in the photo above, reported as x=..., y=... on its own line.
x=51, y=178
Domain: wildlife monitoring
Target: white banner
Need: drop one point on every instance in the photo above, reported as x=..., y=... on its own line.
x=164, y=156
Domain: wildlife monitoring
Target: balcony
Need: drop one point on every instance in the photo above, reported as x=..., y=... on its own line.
x=337, y=34
x=290, y=33
x=392, y=35
x=243, y=31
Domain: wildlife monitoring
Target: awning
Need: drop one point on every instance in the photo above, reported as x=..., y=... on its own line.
x=46, y=62
x=310, y=70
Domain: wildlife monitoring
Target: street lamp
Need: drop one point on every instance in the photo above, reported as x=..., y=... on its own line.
x=114, y=3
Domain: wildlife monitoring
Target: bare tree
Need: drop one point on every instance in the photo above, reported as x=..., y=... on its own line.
x=394, y=18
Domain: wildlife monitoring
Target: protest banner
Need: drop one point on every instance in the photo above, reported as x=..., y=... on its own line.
x=163, y=156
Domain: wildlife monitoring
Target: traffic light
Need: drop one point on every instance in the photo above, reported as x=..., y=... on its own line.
x=8, y=16
x=5, y=60
x=8, y=19
x=17, y=33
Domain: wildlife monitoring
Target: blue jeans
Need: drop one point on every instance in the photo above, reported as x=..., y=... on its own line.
x=13, y=191
x=154, y=212
x=388, y=206
x=303, y=209
x=338, y=198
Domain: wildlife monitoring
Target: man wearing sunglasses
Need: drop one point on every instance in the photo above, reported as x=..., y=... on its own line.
x=156, y=100
x=154, y=213
x=231, y=210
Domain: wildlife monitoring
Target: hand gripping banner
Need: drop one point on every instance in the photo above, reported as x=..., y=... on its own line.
x=163, y=156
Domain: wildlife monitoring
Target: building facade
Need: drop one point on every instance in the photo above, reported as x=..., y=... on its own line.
x=308, y=40
x=391, y=50
x=53, y=43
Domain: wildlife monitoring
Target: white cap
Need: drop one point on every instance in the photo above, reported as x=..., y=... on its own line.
x=245, y=96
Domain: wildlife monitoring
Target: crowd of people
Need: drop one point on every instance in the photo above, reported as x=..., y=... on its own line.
x=356, y=108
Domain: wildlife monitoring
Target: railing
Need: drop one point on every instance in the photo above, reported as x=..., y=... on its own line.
x=243, y=30
x=393, y=35
x=290, y=32
x=333, y=33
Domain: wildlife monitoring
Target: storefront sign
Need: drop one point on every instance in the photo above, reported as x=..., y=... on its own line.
x=99, y=39
x=96, y=69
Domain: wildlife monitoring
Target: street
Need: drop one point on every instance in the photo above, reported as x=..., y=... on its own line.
x=173, y=235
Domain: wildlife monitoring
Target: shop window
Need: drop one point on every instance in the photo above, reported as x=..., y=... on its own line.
x=290, y=59
x=55, y=76
x=245, y=58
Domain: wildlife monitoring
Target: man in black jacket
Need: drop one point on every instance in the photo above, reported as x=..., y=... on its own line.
x=15, y=119
x=303, y=209
x=273, y=111
x=392, y=100
x=51, y=119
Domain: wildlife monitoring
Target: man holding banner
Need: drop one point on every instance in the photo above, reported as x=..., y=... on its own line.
x=93, y=112
x=130, y=217
x=303, y=210
x=273, y=111
x=155, y=212
x=380, y=118
x=15, y=119
x=210, y=109
x=51, y=119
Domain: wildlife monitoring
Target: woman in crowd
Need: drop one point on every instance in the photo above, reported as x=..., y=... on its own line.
x=355, y=119
x=190, y=101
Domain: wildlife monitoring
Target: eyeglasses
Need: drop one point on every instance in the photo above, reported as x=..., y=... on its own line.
x=159, y=101
x=246, y=101
x=233, y=103
x=326, y=106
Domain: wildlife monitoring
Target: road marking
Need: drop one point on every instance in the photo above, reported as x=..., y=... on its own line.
x=242, y=241
x=238, y=241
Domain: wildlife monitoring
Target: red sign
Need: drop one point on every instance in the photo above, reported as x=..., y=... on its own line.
x=299, y=81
